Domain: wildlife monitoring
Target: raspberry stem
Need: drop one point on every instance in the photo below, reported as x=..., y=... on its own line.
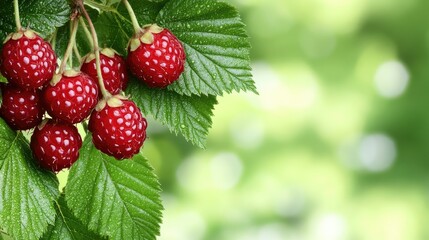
x=74, y=44
x=17, y=18
x=87, y=33
x=76, y=52
x=137, y=28
x=96, y=49
x=53, y=39
x=69, y=49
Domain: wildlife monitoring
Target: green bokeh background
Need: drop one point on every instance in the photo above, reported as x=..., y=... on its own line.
x=335, y=146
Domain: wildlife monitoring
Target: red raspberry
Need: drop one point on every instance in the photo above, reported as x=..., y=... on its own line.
x=27, y=60
x=118, y=127
x=55, y=145
x=21, y=109
x=71, y=96
x=156, y=56
x=113, y=69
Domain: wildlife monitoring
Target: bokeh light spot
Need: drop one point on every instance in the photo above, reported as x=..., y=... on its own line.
x=331, y=226
x=184, y=225
x=226, y=169
x=247, y=132
x=391, y=79
x=377, y=152
x=188, y=174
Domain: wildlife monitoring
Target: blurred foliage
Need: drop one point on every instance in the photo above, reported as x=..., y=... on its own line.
x=335, y=145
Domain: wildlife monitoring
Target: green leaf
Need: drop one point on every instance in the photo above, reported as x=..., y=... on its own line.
x=213, y=35
x=42, y=16
x=67, y=226
x=119, y=199
x=26, y=192
x=216, y=45
x=188, y=115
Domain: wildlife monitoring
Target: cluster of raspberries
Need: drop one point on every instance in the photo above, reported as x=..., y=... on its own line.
x=155, y=56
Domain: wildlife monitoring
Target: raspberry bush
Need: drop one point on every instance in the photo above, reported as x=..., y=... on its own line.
x=103, y=66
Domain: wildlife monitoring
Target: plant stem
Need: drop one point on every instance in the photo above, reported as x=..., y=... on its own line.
x=17, y=18
x=76, y=52
x=74, y=43
x=137, y=28
x=53, y=39
x=87, y=33
x=96, y=48
x=69, y=49
x=71, y=61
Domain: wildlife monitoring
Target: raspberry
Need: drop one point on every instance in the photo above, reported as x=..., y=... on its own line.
x=27, y=60
x=156, y=56
x=71, y=96
x=113, y=69
x=55, y=145
x=118, y=127
x=21, y=109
